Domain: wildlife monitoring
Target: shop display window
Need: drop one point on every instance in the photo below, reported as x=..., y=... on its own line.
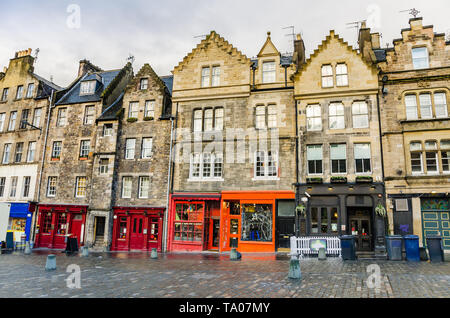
x=18, y=225
x=61, y=228
x=189, y=222
x=257, y=222
x=154, y=227
x=123, y=228
x=46, y=223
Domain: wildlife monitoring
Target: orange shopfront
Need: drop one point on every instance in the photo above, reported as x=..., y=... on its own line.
x=248, y=220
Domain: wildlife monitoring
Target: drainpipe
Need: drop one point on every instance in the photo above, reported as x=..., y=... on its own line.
x=297, y=193
x=382, y=159
x=50, y=106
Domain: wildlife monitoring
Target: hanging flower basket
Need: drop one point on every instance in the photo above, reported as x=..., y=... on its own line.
x=301, y=209
x=380, y=210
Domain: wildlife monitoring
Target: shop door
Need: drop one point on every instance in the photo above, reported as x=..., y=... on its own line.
x=437, y=223
x=361, y=228
x=285, y=225
x=137, y=233
x=214, y=234
x=75, y=227
x=230, y=226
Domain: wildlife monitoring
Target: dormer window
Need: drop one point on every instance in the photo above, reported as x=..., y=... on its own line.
x=268, y=72
x=87, y=88
x=420, y=58
x=143, y=84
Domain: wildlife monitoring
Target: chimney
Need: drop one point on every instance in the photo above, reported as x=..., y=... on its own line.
x=416, y=23
x=299, y=57
x=86, y=66
x=23, y=53
x=376, y=44
x=365, y=42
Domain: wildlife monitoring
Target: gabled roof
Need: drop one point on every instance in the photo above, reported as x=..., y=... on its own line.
x=213, y=38
x=147, y=69
x=73, y=95
x=268, y=48
x=113, y=111
x=323, y=46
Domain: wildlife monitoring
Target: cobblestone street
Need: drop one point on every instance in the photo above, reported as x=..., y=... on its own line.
x=211, y=275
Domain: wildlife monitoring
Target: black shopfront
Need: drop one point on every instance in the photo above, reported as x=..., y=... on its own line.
x=342, y=209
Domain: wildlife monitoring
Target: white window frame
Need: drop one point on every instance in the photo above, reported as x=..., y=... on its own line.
x=147, y=149
x=308, y=159
x=2, y=186
x=19, y=92
x=360, y=113
x=130, y=152
x=215, y=76
x=108, y=130
x=206, y=76
x=219, y=114
x=355, y=146
x=87, y=87
x=103, y=168
x=5, y=94
x=89, y=115
x=85, y=148
x=334, y=112
x=411, y=107
x=144, y=192
x=13, y=187
x=12, y=121
x=37, y=117
x=420, y=152
x=51, y=186
x=26, y=187
x=198, y=120
x=208, y=119
x=272, y=118
x=260, y=120
x=445, y=149
x=426, y=105
x=422, y=62
x=327, y=76
x=18, y=151
x=269, y=70
x=197, y=167
x=266, y=165
x=432, y=150
x=338, y=159
x=56, y=151
x=31, y=151
x=30, y=90
x=2, y=121
x=81, y=187
x=341, y=75
x=6, y=153
x=61, y=119
x=442, y=105
x=314, y=117
x=149, y=110
x=127, y=187
x=143, y=84
x=133, y=109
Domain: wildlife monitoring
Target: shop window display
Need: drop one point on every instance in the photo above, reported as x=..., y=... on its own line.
x=123, y=228
x=189, y=222
x=62, y=224
x=154, y=230
x=46, y=223
x=257, y=222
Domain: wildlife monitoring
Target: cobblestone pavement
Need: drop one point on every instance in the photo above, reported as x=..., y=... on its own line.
x=215, y=276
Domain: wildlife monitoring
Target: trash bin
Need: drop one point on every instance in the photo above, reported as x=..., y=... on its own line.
x=435, y=250
x=394, y=247
x=412, y=248
x=348, y=247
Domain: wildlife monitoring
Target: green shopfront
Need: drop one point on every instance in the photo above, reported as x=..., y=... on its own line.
x=436, y=219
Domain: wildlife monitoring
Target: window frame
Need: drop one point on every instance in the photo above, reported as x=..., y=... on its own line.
x=88, y=87
x=89, y=117
x=52, y=182
x=81, y=187
x=339, y=106
x=342, y=75
x=339, y=161
x=308, y=161
x=325, y=78
x=30, y=92
x=56, y=151
x=130, y=150
x=267, y=165
x=269, y=74
x=417, y=66
x=84, y=149
x=128, y=188
x=363, y=160
x=146, y=196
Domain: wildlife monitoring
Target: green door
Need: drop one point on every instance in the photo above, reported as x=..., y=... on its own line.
x=436, y=220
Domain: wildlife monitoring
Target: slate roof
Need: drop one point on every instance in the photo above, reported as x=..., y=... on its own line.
x=103, y=81
x=168, y=80
x=46, y=87
x=380, y=54
x=111, y=112
x=285, y=60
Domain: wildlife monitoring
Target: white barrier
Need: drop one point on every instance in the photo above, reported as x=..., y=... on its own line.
x=301, y=245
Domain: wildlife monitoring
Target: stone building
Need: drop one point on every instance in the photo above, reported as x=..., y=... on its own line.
x=414, y=102
x=24, y=104
x=139, y=157
x=73, y=200
x=340, y=164
x=235, y=146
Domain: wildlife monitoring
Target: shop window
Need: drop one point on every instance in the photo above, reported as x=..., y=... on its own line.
x=324, y=221
x=314, y=221
x=18, y=225
x=154, y=230
x=61, y=228
x=235, y=208
x=123, y=228
x=189, y=222
x=257, y=222
x=46, y=223
x=334, y=221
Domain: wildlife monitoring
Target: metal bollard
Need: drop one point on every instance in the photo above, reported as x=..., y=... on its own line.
x=294, y=269
x=235, y=255
x=322, y=254
x=84, y=251
x=27, y=249
x=50, y=265
x=154, y=254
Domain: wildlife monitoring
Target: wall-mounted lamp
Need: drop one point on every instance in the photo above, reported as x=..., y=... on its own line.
x=384, y=90
x=330, y=188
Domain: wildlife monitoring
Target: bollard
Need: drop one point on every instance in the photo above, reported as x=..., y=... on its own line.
x=27, y=249
x=294, y=269
x=235, y=255
x=50, y=265
x=85, y=251
x=154, y=254
x=322, y=254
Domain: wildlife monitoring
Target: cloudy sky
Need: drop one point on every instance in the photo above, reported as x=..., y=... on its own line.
x=163, y=32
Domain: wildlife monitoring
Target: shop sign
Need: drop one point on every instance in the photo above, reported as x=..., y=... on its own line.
x=317, y=244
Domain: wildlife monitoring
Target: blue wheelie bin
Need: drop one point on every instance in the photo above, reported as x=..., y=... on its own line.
x=412, y=248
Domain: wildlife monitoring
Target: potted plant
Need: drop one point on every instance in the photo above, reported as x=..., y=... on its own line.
x=148, y=118
x=132, y=120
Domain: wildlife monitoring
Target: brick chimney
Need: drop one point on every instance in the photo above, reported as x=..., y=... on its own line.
x=86, y=66
x=299, y=57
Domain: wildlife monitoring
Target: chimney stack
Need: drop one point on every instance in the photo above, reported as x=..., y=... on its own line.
x=299, y=57
x=23, y=53
x=85, y=67
x=365, y=41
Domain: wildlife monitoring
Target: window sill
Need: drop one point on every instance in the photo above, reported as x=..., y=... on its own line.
x=205, y=180
x=266, y=179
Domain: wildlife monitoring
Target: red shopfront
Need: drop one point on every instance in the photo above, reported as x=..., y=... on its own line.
x=194, y=222
x=137, y=229
x=57, y=222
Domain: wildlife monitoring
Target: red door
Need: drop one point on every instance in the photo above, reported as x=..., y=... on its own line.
x=76, y=225
x=137, y=232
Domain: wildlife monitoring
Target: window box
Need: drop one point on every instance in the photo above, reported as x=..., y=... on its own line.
x=314, y=180
x=338, y=179
x=148, y=118
x=55, y=159
x=83, y=158
x=132, y=120
x=364, y=179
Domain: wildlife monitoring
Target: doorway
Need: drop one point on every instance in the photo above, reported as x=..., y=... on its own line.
x=215, y=234
x=99, y=229
x=360, y=225
x=285, y=224
x=137, y=232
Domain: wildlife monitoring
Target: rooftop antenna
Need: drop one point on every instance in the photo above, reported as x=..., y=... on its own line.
x=414, y=12
x=356, y=25
x=130, y=58
x=200, y=36
x=292, y=28
x=36, y=53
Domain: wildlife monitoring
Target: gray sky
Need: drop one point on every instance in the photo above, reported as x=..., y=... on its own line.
x=162, y=32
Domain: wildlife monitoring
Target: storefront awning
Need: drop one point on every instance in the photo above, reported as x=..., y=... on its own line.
x=19, y=210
